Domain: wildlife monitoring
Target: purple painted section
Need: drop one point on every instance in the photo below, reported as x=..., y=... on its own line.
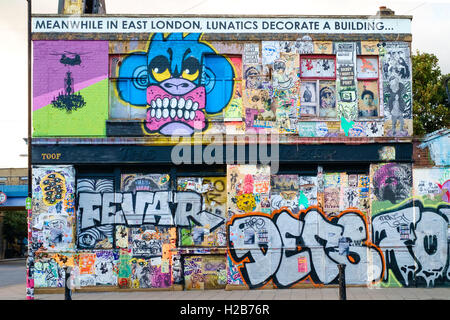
x=46, y=98
x=87, y=61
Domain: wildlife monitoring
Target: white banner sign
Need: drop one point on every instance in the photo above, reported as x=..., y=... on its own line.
x=218, y=25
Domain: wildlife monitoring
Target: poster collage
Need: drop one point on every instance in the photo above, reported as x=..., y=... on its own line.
x=322, y=88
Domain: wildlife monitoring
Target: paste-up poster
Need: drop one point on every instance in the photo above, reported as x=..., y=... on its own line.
x=270, y=51
x=302, y=264
x=53, y=207
x=248, y=188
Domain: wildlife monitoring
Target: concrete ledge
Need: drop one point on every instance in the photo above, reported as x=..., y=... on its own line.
x=12, y=260
x=230, y=287
x=179, y=287
x=106, y=289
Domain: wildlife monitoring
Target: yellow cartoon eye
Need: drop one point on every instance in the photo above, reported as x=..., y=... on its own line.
x=160, y=76
x=187, y=74
x=159, y=67
x=191, y=69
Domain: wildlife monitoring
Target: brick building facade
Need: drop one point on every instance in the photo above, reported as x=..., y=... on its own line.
x=204, y=152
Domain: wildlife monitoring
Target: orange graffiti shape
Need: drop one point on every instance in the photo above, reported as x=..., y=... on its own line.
x=367, y=65
x=86, y=263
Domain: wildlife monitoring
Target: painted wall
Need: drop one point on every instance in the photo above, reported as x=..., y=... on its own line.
x=70, y=88
x=389, y=226
x=178, y=84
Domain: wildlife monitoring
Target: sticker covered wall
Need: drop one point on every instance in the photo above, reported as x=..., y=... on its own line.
x=306, y=87
x=125, y=216
x=389, y=225
x=53, y=208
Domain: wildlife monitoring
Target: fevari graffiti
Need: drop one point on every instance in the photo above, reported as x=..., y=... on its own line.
x=167, y=208
x=288, y=248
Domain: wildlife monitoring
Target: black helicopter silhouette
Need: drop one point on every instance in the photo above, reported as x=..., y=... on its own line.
x=69, y=100
x=70, y=58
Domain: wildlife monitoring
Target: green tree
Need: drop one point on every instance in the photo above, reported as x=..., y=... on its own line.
x=429, y=96
x=15, y=225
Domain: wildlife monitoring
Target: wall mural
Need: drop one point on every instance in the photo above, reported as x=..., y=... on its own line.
x=178, y=80
x=389, y=226
x=289, y=248
x=410, y=222
x=53, y=208
x=178, y=84
x=397, y=86
x=70, y=88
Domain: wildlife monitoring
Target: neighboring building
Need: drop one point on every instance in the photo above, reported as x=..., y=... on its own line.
x=13, y=192
x=295, y=153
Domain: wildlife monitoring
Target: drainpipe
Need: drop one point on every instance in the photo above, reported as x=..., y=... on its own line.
x=30, y=253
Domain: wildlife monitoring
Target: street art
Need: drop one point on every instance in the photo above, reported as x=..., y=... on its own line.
x=295, y=192
x=388, y=224
x=414, y=240
x=346, y=80
x=270, y=51
x=248, y=188
x=162, y=208
x=397, y=87
x=146, y=241
x=252, y=76
x=124, y=269
x=412, y=229
x=308, y=98
x=53, y=215
x=327, y=99
x=388, y=228
x=68, y=100
x=234, y=111
x=214, y=271
x=149, y=273
x=367, y=67
x=306, y=245
x=392, y=182
x=177, y=81
x=313, y=67
x=47, y=273
x=147, y=182
x=432, y=184
x=205, y=272
x=304, y=45
x=54, y=188
x=408, y=244
x=98, y=268
x=285, y=71
x=213, y=191
x=97, y=236
x=368, y=99
x=70, y=87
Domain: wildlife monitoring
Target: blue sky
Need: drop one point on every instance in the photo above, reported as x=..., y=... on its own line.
x=430, y=30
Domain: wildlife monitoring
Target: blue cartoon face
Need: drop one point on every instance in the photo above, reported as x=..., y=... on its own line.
x=179, y=80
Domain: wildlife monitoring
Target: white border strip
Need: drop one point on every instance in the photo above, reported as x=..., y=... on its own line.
x=74, y=24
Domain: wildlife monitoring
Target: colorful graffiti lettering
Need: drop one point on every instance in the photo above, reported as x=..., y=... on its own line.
x=308, y=236
x=413, y=239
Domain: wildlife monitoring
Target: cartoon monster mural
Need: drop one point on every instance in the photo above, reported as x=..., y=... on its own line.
x=179, y=80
